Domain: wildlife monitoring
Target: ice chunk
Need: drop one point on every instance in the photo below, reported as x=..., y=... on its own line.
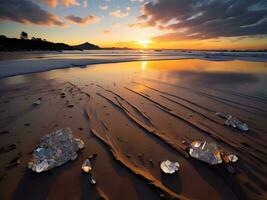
x=204, y=151
x=92, y=179
x=44, y=165
x=233, y=158
x=233, y=121
x=222, y=115
x=236, y=123
x=230, y=158
x=86, y=167
x=169, y=167
x=80, y=143
x=37, y=102
x=54, y=150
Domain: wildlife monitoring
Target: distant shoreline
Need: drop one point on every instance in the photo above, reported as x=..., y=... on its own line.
x=38, y=44
x=132, y=49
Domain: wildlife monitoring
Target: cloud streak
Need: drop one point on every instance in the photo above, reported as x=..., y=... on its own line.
x=82, y=20
x=27, y=12
x=205, y=19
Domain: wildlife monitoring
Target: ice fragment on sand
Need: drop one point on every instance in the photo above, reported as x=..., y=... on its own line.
x=54, y=150
x=230, y=158
x=169, y=167
x=37, y=102
x=204, y=151
x=86, y=167
x=92, y=179
x=233, y=121
x=80, y=143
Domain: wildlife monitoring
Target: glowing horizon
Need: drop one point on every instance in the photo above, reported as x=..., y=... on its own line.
x=139, y=24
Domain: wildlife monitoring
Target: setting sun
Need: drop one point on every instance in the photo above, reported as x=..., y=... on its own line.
x=145, y=43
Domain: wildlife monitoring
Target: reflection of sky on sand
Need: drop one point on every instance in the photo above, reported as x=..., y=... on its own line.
x=250, y=75
x=15, y=80
x=21, y=79
x=213, y=78
x=143, y=67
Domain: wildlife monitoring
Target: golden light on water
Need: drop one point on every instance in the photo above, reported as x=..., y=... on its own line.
x=143, y=67
x=144, y=63
x=145, y=43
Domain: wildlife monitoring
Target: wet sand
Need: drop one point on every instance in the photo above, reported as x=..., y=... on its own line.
x=125, y=110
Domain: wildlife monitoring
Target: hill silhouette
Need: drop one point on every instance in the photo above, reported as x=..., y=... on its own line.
x=85, y=46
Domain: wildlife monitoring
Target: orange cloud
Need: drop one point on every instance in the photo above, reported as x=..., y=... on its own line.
x=107, y=32
x=120, y=14
x=66, y=3
x=138, y=25
x=115, y=25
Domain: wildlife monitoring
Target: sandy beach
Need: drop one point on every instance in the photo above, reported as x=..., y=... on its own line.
x=133, y=115
x=133, y=100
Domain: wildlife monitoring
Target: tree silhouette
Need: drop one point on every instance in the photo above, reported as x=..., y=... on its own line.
x=24, y=35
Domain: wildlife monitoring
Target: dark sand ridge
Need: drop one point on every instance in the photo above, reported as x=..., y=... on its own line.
x=128, y=155
x=221, y=139
x=135, y=111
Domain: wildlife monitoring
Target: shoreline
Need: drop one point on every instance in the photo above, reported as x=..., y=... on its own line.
x=14, y=67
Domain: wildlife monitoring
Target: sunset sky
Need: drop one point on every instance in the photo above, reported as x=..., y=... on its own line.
x=168, y=24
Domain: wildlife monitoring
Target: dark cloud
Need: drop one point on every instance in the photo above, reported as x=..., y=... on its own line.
x=82, y=20
x=26, y=11
x=205, y=19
